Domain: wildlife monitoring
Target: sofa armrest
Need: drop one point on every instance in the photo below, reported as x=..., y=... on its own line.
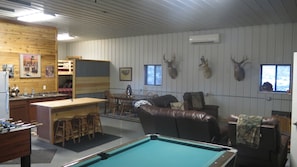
x=283, y=150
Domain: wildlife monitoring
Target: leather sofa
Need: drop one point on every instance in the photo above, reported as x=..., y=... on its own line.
x=272, y=149
x=163, y=101
x=195, y=101
x=192, y=125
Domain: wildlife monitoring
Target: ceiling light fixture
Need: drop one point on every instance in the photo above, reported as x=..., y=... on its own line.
x=35, y=17
x=65, y=36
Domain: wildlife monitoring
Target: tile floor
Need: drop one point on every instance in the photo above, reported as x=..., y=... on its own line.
x=127, y=130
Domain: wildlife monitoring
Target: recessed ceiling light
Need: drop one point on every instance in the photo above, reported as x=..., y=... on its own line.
x=65, y=36
x=35, y=17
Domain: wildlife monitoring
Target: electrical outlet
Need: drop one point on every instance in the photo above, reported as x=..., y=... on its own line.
x=44, y=87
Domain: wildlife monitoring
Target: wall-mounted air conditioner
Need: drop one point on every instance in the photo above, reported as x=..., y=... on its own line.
x=208, y=38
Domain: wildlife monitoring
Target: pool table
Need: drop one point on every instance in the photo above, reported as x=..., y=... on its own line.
x=160, y=151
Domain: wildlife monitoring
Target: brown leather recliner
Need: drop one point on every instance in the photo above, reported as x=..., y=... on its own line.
x=272, y=150
x=195, y=125
x=163, y=101
x=195, y=101
x=191, y=125
x=157, y=120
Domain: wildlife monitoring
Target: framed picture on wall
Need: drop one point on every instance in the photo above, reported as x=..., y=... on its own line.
x=30, y=66
x=125, y=73
x=49, y=71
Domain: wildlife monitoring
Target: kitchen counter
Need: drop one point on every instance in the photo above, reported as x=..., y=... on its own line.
x=37, y=96
x=20, y=108
x=50, y=111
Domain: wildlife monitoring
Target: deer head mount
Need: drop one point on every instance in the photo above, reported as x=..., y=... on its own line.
x=239, y=73
x=171, y=66
x=205, y=68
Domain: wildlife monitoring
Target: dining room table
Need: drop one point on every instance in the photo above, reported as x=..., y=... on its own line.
x=126, y=101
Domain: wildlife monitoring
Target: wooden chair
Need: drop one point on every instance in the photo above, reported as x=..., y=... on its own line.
x=125, y=104
x=111, y=102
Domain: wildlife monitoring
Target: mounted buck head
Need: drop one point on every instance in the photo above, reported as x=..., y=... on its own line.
x=205, y=68
x=239, y=73
x=171, y=66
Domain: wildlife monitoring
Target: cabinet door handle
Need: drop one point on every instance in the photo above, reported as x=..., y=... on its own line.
x=295, y=123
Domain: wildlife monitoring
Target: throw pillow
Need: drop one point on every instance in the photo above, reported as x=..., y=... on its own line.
x=197, y=102
x=177, y=105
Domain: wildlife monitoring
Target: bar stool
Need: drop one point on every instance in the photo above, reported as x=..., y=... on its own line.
x=64, y=130
x=81, y=123
x=94, y=123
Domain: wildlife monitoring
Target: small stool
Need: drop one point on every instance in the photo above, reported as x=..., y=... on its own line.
x=94, y=123
x=63, y=130
x=82, y=125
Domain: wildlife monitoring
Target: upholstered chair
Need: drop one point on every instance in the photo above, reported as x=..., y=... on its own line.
x=271, y=149
x=195, y=101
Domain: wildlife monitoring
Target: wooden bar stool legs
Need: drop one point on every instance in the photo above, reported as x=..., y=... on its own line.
x=81, y=122
x=64, y=130
x=94, y=123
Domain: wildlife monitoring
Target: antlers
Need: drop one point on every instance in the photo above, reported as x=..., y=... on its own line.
x=205, y=68
x=239, y=73
x=241, y=62
x=171, y=66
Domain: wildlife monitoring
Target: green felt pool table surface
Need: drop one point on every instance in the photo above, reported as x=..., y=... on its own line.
x=159, y=151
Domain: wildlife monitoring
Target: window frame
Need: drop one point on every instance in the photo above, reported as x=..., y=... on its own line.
x=275, y=79
x=145, y=74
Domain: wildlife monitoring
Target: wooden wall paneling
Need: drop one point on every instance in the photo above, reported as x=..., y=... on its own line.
x=86, y=85
x=18, y=38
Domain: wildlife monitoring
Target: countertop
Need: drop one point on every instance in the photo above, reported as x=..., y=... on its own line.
x=69, y=102
x=36, y=96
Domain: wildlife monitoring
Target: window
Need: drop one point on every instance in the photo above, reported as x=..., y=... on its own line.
x=153, y=74
x=275, y=77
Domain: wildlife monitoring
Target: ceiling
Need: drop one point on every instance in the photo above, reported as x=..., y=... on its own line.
x=101, y=19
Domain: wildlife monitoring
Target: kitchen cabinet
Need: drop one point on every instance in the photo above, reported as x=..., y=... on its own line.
x=21, y=108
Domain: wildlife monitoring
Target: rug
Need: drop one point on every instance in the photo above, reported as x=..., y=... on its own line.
x=133, y=117
x=37, y=157
x=86, y=143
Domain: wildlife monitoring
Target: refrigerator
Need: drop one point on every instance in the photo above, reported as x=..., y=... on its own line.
x=4, y=96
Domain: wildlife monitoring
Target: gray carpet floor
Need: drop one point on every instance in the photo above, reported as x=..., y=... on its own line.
x=37, y=156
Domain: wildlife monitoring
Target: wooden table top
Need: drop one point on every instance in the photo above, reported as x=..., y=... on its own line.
x=69, y=102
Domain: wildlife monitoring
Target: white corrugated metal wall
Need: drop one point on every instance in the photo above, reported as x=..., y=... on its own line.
x=261, y=44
